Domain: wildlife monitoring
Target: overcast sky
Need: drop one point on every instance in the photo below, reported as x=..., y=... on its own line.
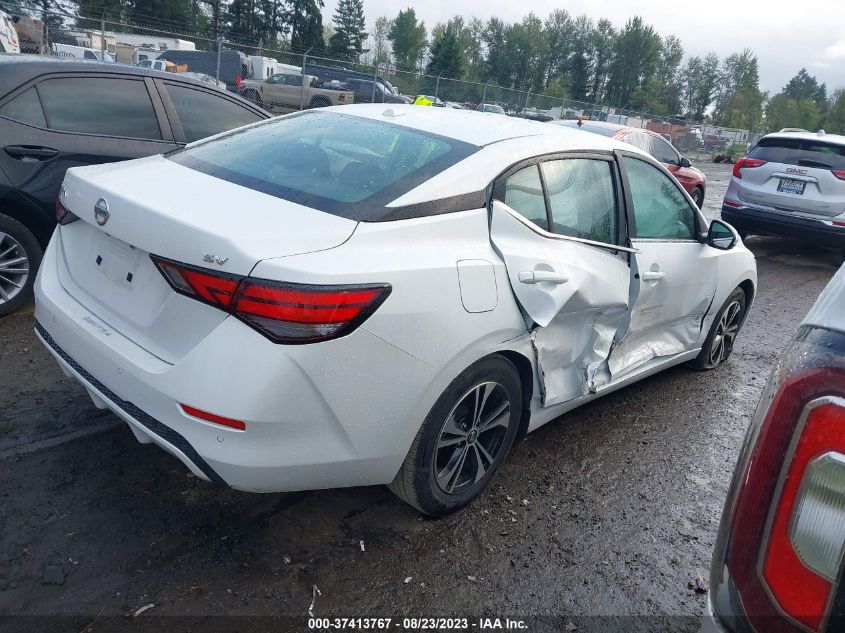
x=785, y=35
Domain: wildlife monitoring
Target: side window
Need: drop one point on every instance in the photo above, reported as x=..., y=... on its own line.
x=662, y=151
x=660, y=209
x=99, y=105
x=25, y=108
x=204, y=114
x=293, y=80
x=524, y=194
x=581, y=198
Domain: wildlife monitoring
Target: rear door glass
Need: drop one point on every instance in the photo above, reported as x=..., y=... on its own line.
x=25, y=108
x=204, y=114
x=99, y=105
x=800, y=152
x=524, y=194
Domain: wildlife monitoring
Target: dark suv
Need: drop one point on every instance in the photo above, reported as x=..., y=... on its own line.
x=56, y=114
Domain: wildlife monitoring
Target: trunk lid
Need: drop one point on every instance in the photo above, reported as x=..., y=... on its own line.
x=156, y=206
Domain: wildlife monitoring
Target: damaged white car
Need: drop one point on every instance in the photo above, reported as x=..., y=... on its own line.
x=364, y=295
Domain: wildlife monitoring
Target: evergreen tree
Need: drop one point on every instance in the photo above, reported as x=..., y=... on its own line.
x=349, y=35
x=306, y=25
x=446, y=57
x=408, y=39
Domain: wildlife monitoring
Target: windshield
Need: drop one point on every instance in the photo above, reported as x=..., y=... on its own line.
x=345, y=165
x=800, y=152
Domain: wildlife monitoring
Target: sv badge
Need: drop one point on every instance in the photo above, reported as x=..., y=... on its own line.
x=214, y=259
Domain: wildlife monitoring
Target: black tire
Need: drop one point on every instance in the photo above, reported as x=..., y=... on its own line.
x=697, y=196
x=253, y=97
x=16, y=241
x=717, y=347
x=319, y=102
x=458, y=456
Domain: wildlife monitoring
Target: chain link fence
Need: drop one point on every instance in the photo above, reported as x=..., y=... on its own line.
x=283, y=81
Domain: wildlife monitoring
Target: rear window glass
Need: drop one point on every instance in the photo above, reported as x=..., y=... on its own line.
x=800, y=152
x=345, y=165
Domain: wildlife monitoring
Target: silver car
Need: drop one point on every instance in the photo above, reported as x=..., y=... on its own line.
x=791, y=183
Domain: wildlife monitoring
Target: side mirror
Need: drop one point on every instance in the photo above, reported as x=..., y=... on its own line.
x=721, y=235
x=684, y=162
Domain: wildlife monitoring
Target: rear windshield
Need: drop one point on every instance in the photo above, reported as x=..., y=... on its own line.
x=344, y=165
x=800, y=152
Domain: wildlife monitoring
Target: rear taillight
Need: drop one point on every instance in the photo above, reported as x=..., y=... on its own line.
x=283, y=312
x=746, y=163
x=238, y=81
x=839, y=174
x=63, y=214
x=783, y=530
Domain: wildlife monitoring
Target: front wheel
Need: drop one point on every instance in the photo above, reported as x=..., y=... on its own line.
x=20, y=255
x=463, y=440
x=720, y=340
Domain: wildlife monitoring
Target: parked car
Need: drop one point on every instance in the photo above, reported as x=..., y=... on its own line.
x=69, y=51
x=8, y=34
x=790, y=184
x=56, y=114
x=778, y=559
x=367, y=91
x=286, y=90
x=326, y=72
x=693, y=180
x=235, y=67
x=491, y=107
x=154, y=64
x=374, y=296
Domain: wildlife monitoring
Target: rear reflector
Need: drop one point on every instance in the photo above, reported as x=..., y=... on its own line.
x=283, y=312
x=211, y=417
x=731, y=203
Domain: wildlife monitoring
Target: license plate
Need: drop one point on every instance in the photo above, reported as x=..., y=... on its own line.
x=788, y=185
x=117, y=260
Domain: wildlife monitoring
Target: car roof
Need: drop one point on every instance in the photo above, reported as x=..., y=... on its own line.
x=838, y=139
x=829, y=310
x=471, y=126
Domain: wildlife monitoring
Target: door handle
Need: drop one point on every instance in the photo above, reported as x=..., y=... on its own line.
x=538, y=276
x=653, y=275
x=29, y=152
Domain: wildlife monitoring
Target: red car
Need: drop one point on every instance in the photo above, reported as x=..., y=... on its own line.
x=690, y=178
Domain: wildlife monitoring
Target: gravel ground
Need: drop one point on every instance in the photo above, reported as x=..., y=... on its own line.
x=608, y=511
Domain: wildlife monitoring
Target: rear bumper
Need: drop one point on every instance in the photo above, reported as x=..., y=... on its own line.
x=766, y=222
x=334, y=414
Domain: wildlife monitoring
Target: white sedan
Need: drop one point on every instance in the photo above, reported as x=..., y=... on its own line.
x=362, y=295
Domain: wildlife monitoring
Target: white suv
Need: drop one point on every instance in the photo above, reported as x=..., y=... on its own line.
x=791, y=183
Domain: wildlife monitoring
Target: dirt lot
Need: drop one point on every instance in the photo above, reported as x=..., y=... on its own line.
x=609, y=511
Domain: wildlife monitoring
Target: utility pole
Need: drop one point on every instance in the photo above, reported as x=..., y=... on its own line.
x=219, y=55
x=103, y=37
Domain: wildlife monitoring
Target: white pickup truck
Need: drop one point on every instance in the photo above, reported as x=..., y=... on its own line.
x=286, y=90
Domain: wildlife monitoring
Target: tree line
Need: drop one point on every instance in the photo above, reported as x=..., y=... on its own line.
x=562, y=55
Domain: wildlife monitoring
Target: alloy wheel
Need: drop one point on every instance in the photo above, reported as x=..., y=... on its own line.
x=726, y=333
x=14, y=268
x=471, y=438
